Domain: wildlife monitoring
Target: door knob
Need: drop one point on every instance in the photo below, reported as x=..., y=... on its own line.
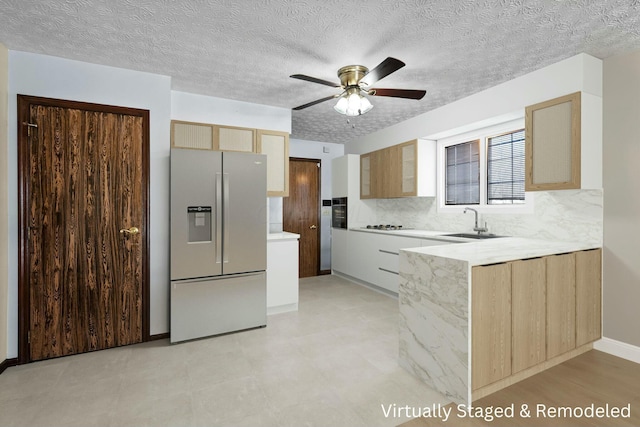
x=130, y=231
x=313, y=227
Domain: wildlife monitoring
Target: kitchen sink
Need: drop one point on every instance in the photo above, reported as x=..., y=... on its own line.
x=473, y=235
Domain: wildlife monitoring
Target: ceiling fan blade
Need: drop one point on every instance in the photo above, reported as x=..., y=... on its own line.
x=386, y=67
x=317, y=101
x=398, y=93
x=314, y=80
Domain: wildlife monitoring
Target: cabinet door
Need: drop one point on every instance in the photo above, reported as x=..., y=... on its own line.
x=552, y=144
x=528, y=293
x=365, y=176
x=408, y=168
x=388, y=259
x=561, y=304
x=490, y=324
x=339, y=251
x=363, y=248
x=379, y=175
x=228, y=138
x=191, y=135
x=386, y=179
x=276, y=146
x=588, y=296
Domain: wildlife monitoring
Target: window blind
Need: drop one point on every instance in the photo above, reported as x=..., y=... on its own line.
x=505, y=168
x=463, y=174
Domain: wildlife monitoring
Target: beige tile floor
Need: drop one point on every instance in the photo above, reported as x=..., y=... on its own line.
x=332, y=363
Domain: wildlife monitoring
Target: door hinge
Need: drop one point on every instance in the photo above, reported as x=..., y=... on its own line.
x=29, y=337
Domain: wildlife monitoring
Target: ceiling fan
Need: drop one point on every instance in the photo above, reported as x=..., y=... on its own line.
x=355, y=80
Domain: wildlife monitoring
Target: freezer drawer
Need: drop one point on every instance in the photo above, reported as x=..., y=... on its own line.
x=212, y=306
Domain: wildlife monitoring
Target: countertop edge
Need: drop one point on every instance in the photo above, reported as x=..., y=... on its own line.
x=502, y=250
x=285, y=235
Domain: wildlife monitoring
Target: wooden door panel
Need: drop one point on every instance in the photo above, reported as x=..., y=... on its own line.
x=300, y=213
x=86, y=181
x=561, y=304
x=491, y=324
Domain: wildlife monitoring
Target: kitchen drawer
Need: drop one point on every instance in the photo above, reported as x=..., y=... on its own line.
x=388, y=280
x=395, y=243
x=388, y=260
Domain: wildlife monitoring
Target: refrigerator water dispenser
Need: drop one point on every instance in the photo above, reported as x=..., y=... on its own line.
x=199, y=223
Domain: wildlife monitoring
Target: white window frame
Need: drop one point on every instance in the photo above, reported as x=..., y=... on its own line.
x=481, y=134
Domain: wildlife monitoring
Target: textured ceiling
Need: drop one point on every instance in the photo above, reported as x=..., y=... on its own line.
x=246, y=50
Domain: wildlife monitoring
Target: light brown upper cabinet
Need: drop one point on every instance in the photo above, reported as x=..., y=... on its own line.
x=552, y=144
x=276, y=146
x=207, y=136
x=402, y=170
x=408, y=161
x=191, y=135
x=365, y=176
x=229, y=138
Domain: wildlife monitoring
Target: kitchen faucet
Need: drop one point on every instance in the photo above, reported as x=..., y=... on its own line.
x=476, y=228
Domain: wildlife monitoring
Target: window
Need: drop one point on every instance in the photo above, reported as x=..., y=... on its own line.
x=505, y=168
x=463, y=174
x=483, y=168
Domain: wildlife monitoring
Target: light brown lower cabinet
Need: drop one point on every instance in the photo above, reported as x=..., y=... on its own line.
x=588, y=296
x=561, y=304
x=491, y=324
x=529, y=313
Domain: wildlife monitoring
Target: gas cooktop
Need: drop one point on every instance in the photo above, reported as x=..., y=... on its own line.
x=387, y=227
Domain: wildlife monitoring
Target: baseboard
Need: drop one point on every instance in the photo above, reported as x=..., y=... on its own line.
x=371, y=286
x=282, y=308
x=618, y=348
x=324, y=272
x=157, y=337
x=8, y=363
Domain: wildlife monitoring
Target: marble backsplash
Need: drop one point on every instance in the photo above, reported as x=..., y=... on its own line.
x=567, y=215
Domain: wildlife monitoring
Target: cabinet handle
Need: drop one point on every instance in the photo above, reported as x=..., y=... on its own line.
x=388, y=252
x=389, y=271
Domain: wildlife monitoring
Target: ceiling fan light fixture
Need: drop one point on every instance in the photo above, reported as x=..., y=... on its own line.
x=352, y=104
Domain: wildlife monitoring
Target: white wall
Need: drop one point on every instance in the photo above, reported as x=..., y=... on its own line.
x=4, y=206
x=51, y=77
x=208, y=109
x=494, y=105
x=562, y=215
x=315, y=150
x=621, y=269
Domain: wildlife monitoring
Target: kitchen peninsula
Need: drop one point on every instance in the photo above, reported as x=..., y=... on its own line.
x=476, y=317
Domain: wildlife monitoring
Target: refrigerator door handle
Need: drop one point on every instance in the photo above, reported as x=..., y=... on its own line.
x=225, y=240
x=218, y=233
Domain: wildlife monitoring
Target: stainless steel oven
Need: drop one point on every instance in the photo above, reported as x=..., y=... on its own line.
x=339, y=212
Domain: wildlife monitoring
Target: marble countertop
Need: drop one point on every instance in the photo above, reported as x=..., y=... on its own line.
x=285, y=235
x=418, y=234
x=502, y=249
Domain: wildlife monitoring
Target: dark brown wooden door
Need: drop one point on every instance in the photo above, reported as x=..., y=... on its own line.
x=84, y=174
x=301, y=212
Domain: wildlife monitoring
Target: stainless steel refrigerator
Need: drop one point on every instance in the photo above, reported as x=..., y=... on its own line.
x=218, y=242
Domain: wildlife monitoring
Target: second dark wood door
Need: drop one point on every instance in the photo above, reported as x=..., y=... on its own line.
x=84, y=191
x=301, y=212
